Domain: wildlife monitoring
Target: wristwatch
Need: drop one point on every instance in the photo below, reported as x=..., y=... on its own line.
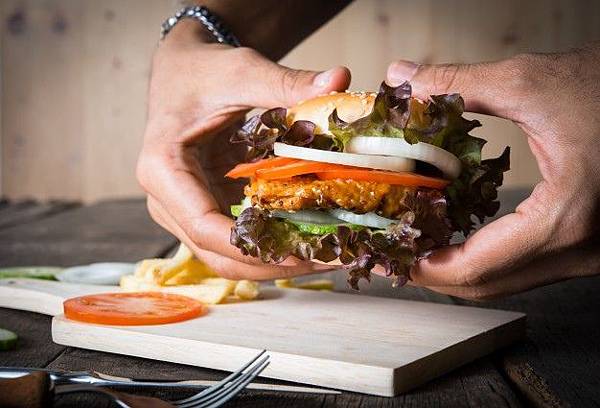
x=207, y=18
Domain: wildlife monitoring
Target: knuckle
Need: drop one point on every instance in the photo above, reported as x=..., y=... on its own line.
x=151, y=210
x=474, y=280
x=195, y=227
x=156, y=216
x=289, y=81
x=473, y=275
x=142, y=173
x=147, y=163
x=447, y=77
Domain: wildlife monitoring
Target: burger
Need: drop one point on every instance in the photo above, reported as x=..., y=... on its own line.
x=362, y=180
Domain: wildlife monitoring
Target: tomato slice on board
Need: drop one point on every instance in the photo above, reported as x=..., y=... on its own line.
x=249, y=169
x=382, y=176
x=133, y=309
x=297, y=168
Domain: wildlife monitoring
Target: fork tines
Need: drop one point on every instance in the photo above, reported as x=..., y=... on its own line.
x=228, y=388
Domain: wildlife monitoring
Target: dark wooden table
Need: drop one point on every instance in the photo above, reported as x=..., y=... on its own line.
x=557, y=365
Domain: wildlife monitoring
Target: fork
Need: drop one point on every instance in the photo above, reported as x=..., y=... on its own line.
x=211, y=397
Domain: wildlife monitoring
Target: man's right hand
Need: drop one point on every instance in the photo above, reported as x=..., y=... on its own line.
x=198, y=91
x=553, y=235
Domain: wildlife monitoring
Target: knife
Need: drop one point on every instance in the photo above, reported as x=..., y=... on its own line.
x=106, y=380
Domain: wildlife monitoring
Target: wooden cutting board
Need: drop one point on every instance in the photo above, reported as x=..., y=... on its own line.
x=364, y=344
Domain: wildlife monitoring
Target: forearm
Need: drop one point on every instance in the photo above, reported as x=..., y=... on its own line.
x=272, y=27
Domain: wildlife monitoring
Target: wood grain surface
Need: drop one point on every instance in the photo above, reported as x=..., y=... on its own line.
x=74, y=75
x=312, y=337
x=124, y=233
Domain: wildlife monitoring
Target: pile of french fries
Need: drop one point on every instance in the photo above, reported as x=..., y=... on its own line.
x=183, y=274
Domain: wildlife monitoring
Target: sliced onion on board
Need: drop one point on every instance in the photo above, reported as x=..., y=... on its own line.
x=103, y=273
x=349, y=159
x=368, y=220
x=398, y=147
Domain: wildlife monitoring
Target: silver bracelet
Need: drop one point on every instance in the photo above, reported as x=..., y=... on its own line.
x=209, y=20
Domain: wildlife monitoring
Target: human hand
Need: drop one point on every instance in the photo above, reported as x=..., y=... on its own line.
x=553, y=235
x=197, y=92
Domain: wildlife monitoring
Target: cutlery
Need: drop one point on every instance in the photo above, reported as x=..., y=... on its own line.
x=211, y=397
x=96, y=378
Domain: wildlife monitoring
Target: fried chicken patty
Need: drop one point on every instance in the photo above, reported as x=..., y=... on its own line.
x=300, y=193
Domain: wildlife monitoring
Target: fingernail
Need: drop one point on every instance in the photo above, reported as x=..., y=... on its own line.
x=401, y=71
x=323, y=79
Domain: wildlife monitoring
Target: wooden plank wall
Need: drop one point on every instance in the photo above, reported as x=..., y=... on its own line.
x=74, y=75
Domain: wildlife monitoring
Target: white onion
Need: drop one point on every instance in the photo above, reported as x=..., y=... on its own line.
x=103, y=273
x=307, y=216
x=350, y=159
x=367, y=220
x=393, y=146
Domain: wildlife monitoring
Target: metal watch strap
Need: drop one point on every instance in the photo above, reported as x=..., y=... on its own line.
x=208, y=19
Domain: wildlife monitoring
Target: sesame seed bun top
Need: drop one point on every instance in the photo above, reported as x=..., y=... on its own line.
x=350, y=107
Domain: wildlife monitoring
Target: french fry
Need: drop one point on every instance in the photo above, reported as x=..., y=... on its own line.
x=246, y=290
x=285, y=283
x=211, y=293
x=143, y=269
x=131, y=283
x=194, y=271
x=315, y=284
x=162, y=272
x=185, y=275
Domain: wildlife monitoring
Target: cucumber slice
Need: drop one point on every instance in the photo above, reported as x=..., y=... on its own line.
x=8, y=340
x=316, y=229
x=236, y=210
x=321, y=229
x=35, y=272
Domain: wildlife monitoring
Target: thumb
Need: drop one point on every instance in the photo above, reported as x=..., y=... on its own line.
x=281, y=86
x=486, y=87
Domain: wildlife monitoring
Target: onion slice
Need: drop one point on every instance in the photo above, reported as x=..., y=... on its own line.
x=448, y=163
x=350, y=159
x=368, y=220
x=103, y=273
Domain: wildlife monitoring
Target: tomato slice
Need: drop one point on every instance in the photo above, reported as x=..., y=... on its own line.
x=249, y=169
x=284, y=168
x=297, y=168
x=382, y=176
x=133, y=309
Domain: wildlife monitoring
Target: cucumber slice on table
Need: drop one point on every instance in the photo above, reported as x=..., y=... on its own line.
x=8, y=340
x=36, y=272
